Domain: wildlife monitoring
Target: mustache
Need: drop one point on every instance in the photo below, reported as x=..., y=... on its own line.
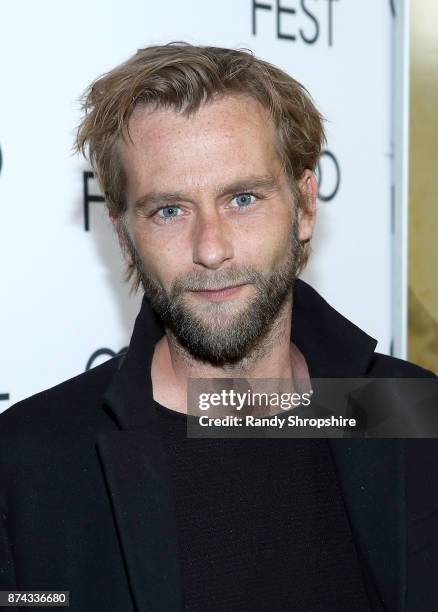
x=206, y=281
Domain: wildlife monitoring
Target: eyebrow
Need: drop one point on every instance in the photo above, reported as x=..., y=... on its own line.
x=266, y=183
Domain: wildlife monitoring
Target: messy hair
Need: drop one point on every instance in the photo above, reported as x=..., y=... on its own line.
x=182, y=76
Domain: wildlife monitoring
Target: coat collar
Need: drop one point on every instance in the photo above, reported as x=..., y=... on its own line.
x=332, y=346
x=136, y=471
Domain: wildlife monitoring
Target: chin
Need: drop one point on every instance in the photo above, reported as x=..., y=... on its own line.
x=213, y=314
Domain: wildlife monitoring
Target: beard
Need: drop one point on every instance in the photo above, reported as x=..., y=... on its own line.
x=215, y=332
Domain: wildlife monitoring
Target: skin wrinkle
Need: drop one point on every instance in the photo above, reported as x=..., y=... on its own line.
x=267, y=183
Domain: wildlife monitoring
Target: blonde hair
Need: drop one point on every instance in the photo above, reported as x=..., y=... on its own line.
x=184, y=76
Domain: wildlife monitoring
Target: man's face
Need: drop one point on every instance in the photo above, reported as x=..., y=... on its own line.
x=208, y=208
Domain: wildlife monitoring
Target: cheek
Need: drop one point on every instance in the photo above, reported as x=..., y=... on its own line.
x=264, y=247
x=162, y=259
x=270, y=243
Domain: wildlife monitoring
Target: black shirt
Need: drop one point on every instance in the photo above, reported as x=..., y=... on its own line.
x=261, y=524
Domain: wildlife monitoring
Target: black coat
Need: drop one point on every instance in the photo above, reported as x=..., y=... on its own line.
x=85, y=503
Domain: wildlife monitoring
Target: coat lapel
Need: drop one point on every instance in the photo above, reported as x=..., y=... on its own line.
x=135, y=475
x=136, y=472
x=370, y=471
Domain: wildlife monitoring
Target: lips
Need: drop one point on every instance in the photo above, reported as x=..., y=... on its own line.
x=218, y=295
x=219, y=289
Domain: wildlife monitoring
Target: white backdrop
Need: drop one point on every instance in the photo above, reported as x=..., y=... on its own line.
x=62, y=294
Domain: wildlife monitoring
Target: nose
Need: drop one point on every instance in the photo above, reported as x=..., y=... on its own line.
x=212, y=244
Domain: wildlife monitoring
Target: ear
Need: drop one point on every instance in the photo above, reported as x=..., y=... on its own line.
x=120, y=227
x=307, y=214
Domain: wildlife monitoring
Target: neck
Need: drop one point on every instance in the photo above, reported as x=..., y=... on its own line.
x=274, y=357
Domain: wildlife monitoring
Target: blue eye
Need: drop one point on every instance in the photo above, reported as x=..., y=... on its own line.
x=244, y=199
x=169, y=212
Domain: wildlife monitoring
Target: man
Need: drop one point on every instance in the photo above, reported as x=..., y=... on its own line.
x=206, y=157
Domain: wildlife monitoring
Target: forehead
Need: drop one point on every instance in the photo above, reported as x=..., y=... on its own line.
x=231, y=134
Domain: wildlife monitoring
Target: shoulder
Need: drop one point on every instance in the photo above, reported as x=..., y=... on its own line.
x=67, y=404
x=47, y=436
x=392, y=367
x=48, y=440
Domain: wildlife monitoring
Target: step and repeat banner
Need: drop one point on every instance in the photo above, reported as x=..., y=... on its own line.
x=64, y=305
